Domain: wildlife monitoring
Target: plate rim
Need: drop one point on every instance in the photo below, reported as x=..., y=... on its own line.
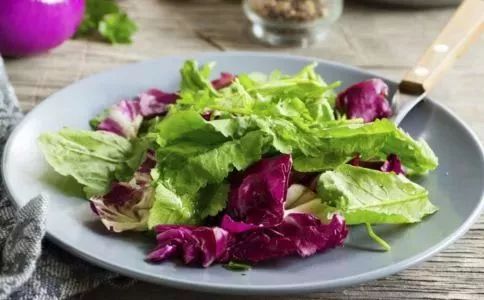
x=260, y=289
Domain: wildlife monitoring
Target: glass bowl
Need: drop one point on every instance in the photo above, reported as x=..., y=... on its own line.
x=291, y=22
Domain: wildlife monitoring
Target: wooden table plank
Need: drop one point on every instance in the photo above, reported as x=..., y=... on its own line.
x=383, y=40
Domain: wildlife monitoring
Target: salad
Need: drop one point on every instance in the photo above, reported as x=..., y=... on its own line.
x=247, y=168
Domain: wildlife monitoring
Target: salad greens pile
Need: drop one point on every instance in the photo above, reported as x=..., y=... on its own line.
x=247, y=168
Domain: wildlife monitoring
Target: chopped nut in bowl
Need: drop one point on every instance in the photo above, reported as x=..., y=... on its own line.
x=291, y=22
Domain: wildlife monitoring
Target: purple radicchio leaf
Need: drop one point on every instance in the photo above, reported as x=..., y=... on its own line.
x=225, y=80
x=149, y=162
x=392, y=164
x=257, y=195
x=234, y=226
x=123, y=119
x=126, y=206
x=366, y=100
x=194, y=245
x=155, y=102
x=298, y=234
x=207, y=115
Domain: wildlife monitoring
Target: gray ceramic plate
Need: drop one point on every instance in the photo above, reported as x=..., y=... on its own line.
x=456, y=187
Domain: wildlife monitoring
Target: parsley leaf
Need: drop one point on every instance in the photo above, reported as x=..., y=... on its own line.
x=117, y=28
x=106, y=18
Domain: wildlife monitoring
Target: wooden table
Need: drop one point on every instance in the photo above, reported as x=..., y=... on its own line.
x=383, y=40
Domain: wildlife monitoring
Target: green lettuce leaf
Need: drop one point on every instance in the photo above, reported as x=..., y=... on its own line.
x=374, y=197
x=196, y=79
x=372, y=141
x=92, y=158
x=171, y=208
x=326, y=146
x=139, y=148
x=305, y=84
x=213, y=199
x=185, y=127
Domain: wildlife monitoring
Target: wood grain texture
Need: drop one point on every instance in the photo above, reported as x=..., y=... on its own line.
x=373, y=38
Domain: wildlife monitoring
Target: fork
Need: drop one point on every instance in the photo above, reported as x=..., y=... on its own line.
x=463, y=28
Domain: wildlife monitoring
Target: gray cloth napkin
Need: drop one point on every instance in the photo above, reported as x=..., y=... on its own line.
x=30, y=267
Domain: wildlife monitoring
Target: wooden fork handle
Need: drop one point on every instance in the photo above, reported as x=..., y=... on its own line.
x=463, y=28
